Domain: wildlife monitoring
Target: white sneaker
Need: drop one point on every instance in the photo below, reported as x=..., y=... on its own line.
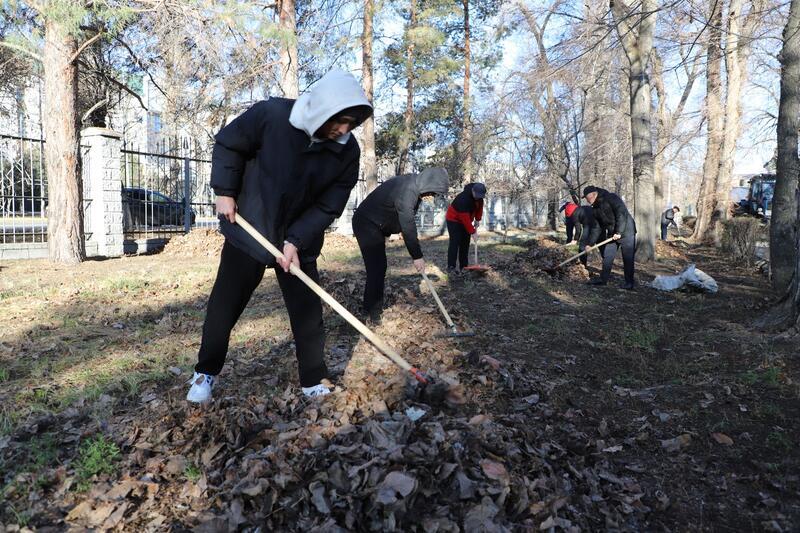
x=201, y=388
x=316, y=391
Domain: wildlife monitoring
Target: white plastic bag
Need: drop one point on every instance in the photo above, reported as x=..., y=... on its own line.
x=690, y=277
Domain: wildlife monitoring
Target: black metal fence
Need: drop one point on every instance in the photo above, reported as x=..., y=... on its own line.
x=165, y=193
x=23, y=190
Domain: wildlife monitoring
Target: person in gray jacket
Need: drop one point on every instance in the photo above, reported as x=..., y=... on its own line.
x=391, y=208
x=667, y=220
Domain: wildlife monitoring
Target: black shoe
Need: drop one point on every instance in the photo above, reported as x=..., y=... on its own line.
x=596, y=281
x=627, y=286
x=374, y=318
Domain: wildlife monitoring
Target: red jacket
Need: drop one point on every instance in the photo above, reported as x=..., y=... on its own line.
x=570, y=208
x=464, y=210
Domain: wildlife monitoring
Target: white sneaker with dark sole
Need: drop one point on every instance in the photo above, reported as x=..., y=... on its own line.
x=316, y=391
x=202, y=385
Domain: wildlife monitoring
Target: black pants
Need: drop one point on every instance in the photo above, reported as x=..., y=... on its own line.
x=458, y=246
x=237, y=278
x=664, y=228
x=372, y=243
x=570, y=228
x=609, y=252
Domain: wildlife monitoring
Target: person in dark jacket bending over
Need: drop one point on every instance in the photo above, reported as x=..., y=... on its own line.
x=288, y=167
x=392, y=208
x=617, y=223
x=569, y=208
x=463, y=217
x=668, y=219
x=587, y=229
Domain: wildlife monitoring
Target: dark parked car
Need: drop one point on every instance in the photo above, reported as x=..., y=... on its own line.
x=151, y=208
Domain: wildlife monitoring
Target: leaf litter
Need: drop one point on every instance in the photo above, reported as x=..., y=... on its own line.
x=495, y=454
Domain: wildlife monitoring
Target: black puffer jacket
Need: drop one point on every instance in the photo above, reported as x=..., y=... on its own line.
x=393, y=205
x=584, y=218
x=612, y=215
x=287, y=187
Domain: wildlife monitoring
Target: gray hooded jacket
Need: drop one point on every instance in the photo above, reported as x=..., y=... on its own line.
x=393, y=205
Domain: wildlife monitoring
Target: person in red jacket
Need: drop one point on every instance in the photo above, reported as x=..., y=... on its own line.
x=463, y=217
x=569, y=208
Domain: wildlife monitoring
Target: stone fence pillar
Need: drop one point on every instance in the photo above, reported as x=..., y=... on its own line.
x=102, y=188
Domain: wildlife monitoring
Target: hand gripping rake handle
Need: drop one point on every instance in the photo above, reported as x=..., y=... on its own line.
x=379, y=343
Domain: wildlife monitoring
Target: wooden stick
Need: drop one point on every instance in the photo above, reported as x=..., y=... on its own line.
x=379, y=343
x=447, y=318
x=586, y=251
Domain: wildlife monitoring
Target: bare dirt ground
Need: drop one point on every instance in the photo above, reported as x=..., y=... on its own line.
x=572, y=408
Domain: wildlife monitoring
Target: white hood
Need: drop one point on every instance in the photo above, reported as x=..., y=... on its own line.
x=335, y=91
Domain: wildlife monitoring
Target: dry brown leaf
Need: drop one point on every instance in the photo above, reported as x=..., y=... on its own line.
x=722, y=438
x=494, y=470
x=678, y=443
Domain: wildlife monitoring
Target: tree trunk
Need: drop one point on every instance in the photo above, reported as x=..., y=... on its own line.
x=663, y=131
x=370, y=165
x=287, y=61
x=638, y=45
x=408, y=116
x=706, y=201
x=62, y=158
x=735, y=65
x=785, y=216
x=466, y=139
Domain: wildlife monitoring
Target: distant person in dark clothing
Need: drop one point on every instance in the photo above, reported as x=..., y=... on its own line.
x=587, y=229
x=463, y=217
x=392, y=208
x=288, y=167
x=568, y=209
x=617, y=223
x=667, y=220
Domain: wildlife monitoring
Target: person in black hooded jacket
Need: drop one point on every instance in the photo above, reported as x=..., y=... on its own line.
x=288, y=167
x=617, y=223
x=391, y=208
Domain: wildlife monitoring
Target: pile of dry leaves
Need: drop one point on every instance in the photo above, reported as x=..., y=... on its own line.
x=541, y=254
x=379, y=454
x=196, y=243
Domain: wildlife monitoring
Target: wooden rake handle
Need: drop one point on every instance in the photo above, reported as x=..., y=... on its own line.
x=586, y=251
x=447, y=318
x=379, y=343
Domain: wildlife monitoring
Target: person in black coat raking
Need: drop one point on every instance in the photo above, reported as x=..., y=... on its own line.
x=391, y=208
x=288, y=167
x=587, y=229
x=617, y=223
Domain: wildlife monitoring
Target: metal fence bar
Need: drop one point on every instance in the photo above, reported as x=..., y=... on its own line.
x=165, y=193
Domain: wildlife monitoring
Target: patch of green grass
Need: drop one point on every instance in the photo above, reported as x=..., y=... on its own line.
x=642, y=338
x=769, y=412
x=42, y=452
x=21, y=518
x=125, y=284
x=779, y=441
x=96, y=456
x=769, y=376
x=627, y=381
x=4, y=375
x=509, y=249
x=192, y=472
